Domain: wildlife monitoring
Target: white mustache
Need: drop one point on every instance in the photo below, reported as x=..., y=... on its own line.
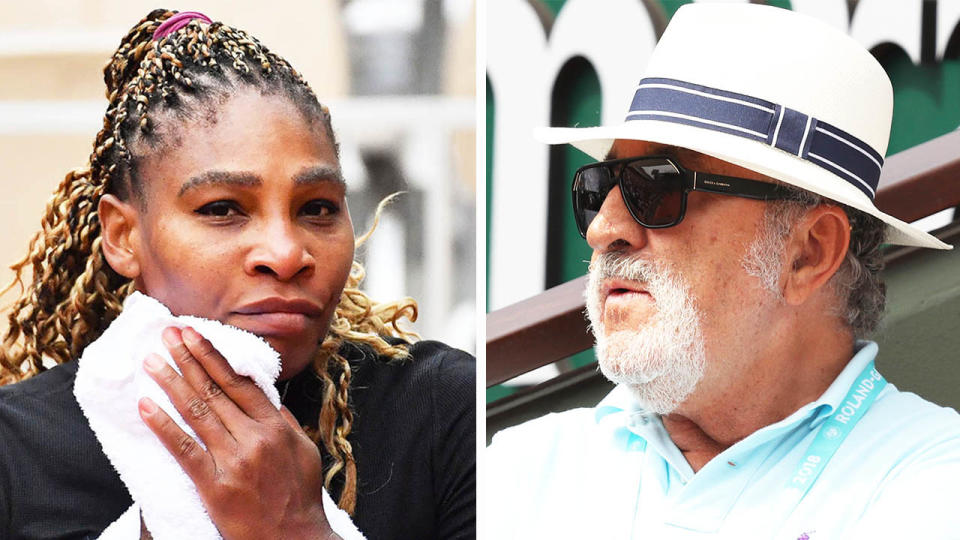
x=619, y=266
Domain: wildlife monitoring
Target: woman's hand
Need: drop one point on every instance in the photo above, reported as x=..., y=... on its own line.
x=260, y=476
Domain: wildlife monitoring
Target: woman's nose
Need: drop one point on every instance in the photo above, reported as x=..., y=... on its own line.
x=280, y=251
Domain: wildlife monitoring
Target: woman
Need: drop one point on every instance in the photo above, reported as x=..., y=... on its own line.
x=215, y=187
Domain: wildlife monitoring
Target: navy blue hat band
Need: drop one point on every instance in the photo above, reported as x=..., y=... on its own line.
x=670, y=100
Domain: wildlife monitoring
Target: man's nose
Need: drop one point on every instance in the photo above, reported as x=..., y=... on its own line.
x=613, y=228
x=281, y=251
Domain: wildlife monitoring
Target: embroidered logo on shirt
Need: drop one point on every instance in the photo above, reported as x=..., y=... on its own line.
x=805, y=536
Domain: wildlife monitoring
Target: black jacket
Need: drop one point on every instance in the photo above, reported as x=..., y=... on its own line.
x=413, y=439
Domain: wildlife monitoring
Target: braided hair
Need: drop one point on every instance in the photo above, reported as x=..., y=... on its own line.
x=74, y=294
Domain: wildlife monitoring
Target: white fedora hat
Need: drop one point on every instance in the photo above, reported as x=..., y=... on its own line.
x=773, y=91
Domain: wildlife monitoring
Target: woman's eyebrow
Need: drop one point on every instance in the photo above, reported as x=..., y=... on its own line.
x=220, y=177
x=318, y=174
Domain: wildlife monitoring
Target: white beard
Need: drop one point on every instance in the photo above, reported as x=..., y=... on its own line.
x=663, y=360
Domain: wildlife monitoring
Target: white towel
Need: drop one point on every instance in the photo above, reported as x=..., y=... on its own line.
x=111, y=380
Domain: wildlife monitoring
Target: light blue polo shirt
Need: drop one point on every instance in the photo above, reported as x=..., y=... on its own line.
x=613, y=472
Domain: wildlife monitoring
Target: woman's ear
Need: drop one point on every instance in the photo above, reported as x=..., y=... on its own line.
x=119, y=231
x=817, y=248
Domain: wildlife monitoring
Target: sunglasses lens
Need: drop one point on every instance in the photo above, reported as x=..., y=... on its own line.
x=653, y=191
x=590, y=187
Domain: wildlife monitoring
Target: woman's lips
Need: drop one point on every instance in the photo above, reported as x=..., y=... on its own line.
x=277, y=316
x=273, y=323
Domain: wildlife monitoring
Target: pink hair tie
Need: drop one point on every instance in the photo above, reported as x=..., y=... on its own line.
x=177, y=22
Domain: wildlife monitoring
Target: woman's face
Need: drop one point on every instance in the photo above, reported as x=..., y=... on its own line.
x=245, y=221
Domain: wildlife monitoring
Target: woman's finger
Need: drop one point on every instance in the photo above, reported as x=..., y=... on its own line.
x=195, y=411
x=293, y=423
x=242, y=390
x=196, y=462
x=229, y=412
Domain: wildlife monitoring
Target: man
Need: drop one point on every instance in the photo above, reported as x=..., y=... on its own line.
x=734, y=275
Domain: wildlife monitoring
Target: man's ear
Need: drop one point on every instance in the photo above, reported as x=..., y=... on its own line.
x=817, y=247
x=119, y=230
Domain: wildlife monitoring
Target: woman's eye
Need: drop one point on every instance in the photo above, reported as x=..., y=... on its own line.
x=320, y=208
x=219, y=209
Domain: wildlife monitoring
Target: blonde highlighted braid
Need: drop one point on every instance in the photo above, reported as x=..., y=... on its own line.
x=74, y=294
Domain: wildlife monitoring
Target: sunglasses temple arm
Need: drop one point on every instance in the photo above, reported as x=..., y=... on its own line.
x=741, y=187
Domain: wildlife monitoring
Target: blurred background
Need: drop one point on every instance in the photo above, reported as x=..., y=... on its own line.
x=397, y=75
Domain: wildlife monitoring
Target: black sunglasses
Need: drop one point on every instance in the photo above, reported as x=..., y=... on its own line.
x=655, y=188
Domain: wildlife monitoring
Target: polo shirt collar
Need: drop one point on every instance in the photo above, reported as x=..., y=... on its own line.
x=630, y=428
x=832, y=398
x=620, y=408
